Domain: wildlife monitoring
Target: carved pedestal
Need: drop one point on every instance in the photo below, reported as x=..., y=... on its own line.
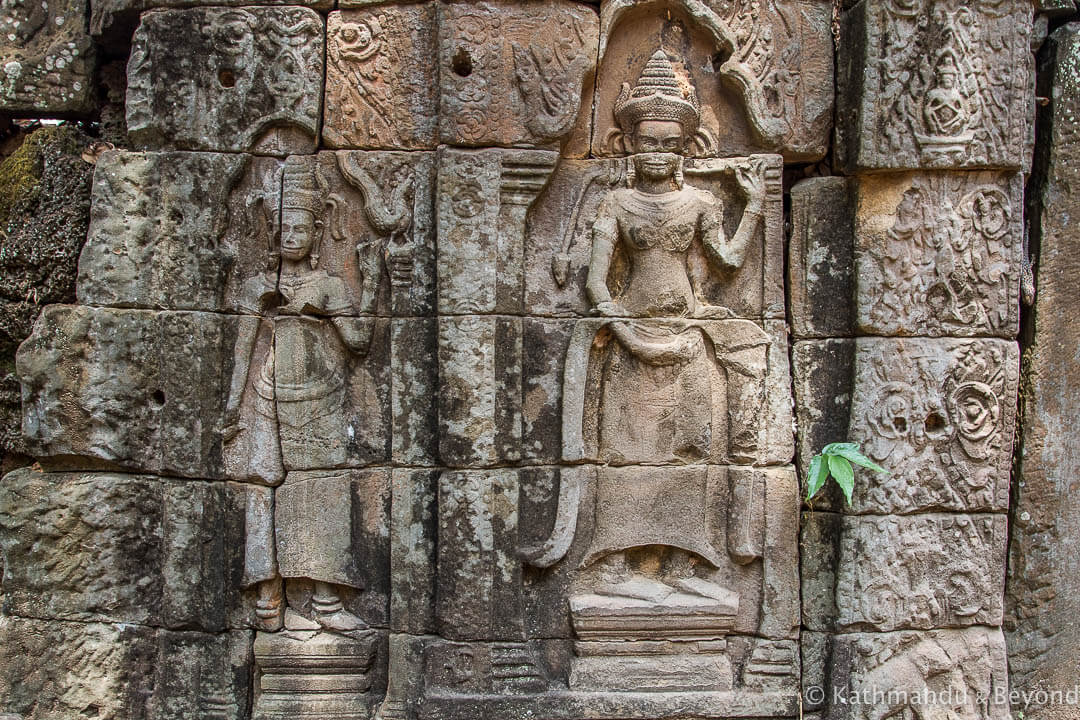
x=322, y=676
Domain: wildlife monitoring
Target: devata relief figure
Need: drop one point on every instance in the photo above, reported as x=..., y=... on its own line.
x=672, y=390
x=290, y=385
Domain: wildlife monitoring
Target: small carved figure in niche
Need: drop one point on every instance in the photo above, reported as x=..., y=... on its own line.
x=316, y=327
x=945, y=108
x=656, y=405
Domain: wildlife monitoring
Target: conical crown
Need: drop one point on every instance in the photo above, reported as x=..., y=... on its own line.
x=657, y=96
x=300, y=187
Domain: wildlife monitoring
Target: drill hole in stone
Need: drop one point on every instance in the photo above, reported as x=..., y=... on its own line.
x=158, y=398
x=461, y=63
x=935, y=423
x=227, y=78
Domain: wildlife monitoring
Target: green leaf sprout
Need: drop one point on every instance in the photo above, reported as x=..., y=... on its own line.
x=835, y=460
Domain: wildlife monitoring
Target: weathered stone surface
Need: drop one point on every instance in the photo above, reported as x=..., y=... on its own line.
x=934, y=84
x=179, y=231
x=413, y=533
x=939, y=415
x=479, y=573
x=381, y=83
x=48, y=59
x=414, y=393
x=921, y=572
x=512, y=73
x=44, y=211
x=948, y=673
x=55, y=669
x=1042, y=601
x=483, y=197
x=939, y=254
x=762, y=71
x=561, y=226
x=243, y=79
x=102, y=547
x=823, y=373
x=1055, y=8
x=129, y=388
x=821, y=262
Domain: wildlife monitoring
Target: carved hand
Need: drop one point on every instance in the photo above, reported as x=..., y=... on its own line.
x=753, y=184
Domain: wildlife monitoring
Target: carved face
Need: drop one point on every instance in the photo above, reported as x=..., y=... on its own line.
x=656, y=145
x=298, y=232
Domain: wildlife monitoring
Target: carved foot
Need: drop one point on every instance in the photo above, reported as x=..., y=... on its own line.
x=268, y=615
x=704, y=588
x=339, y=621
x=638, y=587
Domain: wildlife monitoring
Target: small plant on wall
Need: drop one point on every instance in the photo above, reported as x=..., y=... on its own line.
x=835, y=461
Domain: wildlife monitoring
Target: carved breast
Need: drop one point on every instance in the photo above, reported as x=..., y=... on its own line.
x=667, y=221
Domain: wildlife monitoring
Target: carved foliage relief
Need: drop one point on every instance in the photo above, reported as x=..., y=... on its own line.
x=939, y=254
x=947, y=84
x=939, y=414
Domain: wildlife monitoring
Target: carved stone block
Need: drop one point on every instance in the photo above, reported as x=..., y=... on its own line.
x=821, y=262
x=129, y=388
x=939, y=415
x=479, y=572
x=243, y=79
x=48, y=60
x=950, y=673
x=934, y=84
x=122, y=548
x=414, y=529
x=179, y=231
x=762, y=71
x=483, y=197
x=906, y=572
x=479, y=390
x=308, y=675
x=381, y=84
x=939, y=254
x=561, y=224
x=117, y=670
x=414, y=395
x=512, y=73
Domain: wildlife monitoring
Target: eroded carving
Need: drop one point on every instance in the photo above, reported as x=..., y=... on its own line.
x=939, y=415
x=243, y=79
x=949, y=260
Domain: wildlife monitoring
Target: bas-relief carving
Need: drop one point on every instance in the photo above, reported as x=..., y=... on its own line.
x=513, y=74
x=381, y=81
x=939, y=254
x=243, y=79
x=664, y=390
x=761, y=70
x=947, y=84
x=48, y=62
x=961, y=675
x=939, y=414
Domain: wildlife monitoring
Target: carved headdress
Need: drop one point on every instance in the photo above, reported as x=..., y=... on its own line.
x=301, y=189
x=658, y=95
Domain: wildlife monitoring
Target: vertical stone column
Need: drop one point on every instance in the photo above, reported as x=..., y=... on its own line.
x=1041, y=601
x=902, y=590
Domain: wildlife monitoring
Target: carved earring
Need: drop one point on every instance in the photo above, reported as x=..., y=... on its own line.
x=631, y=173
x=678, y=177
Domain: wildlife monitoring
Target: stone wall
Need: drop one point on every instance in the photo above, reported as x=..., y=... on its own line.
x=455, y=360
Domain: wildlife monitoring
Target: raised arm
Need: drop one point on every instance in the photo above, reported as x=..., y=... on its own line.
x=605, y=234
x=726, y=254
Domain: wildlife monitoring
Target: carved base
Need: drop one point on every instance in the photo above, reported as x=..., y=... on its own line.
x=651, y=666
x=316, y=675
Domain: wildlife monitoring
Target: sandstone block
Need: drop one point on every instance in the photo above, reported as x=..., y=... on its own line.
x=179, y=231
x=821, y=261
x=483, y=197
x=48, y=59
x=934, y=84
x=939, y=415
x=939, y=254
x=512, y=73
x=413, y=532
x=953, y=672
x=381, y=89
x=1042, y=598
x=57, y=669
x=414, y=382
x=102, y=547
x=762, y=72
x=227, y=79
x=129, y=388
x=921, y=572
